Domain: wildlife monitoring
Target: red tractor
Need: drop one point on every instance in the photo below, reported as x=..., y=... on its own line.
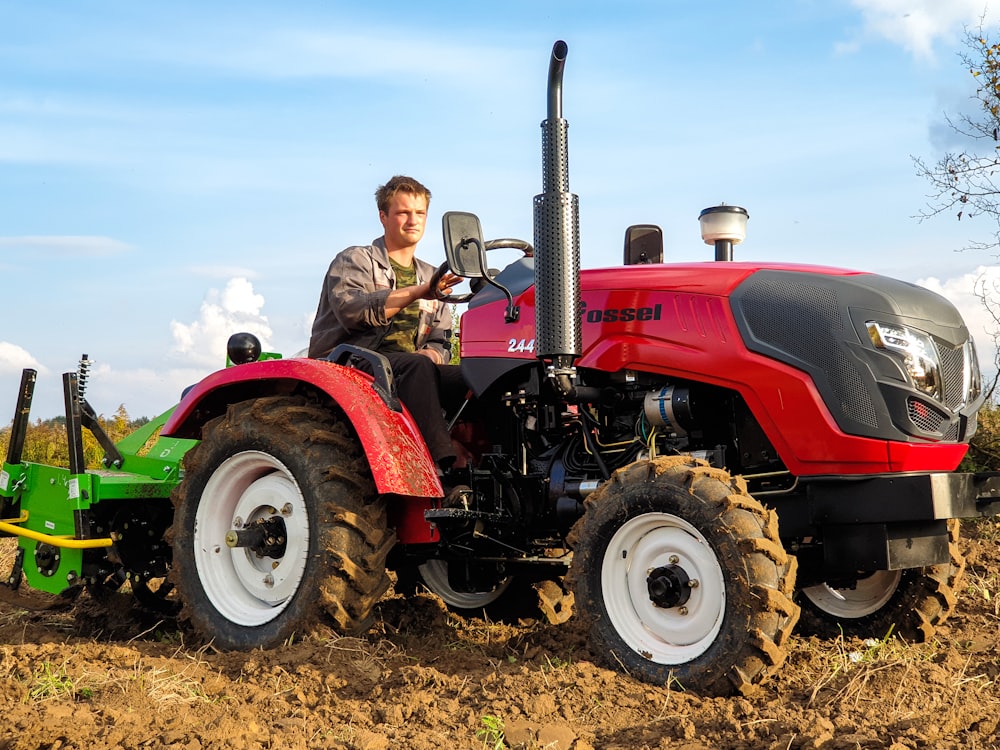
x=698, y=451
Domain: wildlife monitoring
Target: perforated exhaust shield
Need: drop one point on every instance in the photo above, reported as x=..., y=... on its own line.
x=557, y=235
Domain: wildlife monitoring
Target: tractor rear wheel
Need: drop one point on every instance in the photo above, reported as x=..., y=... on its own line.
x=909, y=603
x=499, y=596
x=681, y=578
x=275, y=521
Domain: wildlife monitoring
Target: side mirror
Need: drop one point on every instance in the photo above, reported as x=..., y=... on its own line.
x=463, y=244
x=643, y=244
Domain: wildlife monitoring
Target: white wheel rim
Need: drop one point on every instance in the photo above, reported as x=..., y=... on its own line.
x=671, y=635
x=435, y=576
x=867, y=597
x=246, y=589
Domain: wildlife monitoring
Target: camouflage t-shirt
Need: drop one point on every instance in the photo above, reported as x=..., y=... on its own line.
x=402, y=334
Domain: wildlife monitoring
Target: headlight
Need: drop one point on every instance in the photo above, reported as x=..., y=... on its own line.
x=919, y=355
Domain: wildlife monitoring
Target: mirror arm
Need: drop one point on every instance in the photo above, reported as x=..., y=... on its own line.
x=466, y=241
x=513, y=313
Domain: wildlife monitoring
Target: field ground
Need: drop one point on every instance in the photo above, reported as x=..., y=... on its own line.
x=100, y=676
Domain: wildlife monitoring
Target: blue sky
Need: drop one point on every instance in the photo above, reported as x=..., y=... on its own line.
x=173, y=172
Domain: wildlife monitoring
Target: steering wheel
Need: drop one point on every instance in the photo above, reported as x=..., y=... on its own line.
x=455, y=299
x=458, y=299
x=522, y=245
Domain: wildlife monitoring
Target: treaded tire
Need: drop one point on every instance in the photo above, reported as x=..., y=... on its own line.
x=267, y=458
x=512, y=598
x=908, y=603
x=433, y=576
x=732, y=632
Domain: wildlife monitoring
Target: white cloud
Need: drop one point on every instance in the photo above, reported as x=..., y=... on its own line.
x=237, y=308
x=78, y=245
x=148, y=391
x=14, y=358
x=916, y=25
x=144, y=392
x=964, y=292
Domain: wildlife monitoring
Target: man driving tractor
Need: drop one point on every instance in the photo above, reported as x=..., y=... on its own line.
x=378, y=296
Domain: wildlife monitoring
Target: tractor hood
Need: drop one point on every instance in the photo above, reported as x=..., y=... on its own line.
x=885, y=356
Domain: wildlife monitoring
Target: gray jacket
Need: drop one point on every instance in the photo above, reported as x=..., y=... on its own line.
x=352, y=304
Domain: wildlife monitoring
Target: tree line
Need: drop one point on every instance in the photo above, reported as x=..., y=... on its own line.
x=46, y=441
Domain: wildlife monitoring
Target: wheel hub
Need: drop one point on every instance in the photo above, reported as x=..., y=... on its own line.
x=669, y=586
x=266, y=537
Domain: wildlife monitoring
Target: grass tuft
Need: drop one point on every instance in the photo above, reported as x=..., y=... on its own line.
x=491, y=733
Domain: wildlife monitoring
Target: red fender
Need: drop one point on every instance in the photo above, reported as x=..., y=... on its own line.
x=397, y=453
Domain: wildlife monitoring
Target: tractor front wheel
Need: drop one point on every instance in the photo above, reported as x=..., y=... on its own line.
x=434, y=574
x=681, y=578
x=275, y=521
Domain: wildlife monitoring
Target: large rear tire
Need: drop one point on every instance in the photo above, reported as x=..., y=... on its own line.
x=681, y=578
x=277, y=521
x=909, y=603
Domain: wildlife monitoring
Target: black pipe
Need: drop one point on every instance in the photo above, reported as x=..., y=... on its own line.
x=74, y=423
x=556, y=66
x=20, y=426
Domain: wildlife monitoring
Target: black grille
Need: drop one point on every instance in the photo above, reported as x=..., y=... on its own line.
x=952, y=374
x=924, y=418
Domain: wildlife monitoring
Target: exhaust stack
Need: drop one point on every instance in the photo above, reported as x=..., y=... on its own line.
x=557, y=242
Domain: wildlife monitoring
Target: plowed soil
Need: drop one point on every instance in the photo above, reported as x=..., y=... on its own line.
x=102, y=675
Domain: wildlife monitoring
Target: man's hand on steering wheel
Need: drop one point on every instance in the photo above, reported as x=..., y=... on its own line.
x=441, y=283
x=445, y=282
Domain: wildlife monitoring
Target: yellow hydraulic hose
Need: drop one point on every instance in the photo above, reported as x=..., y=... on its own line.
x=10, y=526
